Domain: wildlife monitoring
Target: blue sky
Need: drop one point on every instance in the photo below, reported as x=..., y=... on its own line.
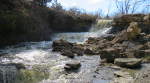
x=103, y=6
x=89, y=5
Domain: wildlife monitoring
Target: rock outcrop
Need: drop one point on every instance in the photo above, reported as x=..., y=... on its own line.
x=132, y=32
x=122, y=22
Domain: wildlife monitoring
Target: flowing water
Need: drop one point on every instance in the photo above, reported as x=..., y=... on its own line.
x=44, y=66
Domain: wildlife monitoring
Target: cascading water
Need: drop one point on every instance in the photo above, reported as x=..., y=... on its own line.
x=45, y=66
x=101, y=24
x=7, y=74
x=99, y=29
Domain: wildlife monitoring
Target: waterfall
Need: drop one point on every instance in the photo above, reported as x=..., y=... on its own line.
x=101, y=28
x=8, y=74
x=97, y=30
x=100, y=25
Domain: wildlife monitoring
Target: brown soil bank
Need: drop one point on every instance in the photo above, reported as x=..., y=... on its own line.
x=24, y=20
x=122, y=22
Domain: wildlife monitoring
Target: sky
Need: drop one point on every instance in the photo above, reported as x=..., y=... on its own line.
x=93, y=6
x=89, y=5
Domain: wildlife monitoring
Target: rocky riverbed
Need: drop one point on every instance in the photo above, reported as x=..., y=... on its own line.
x=35, y=62
x=126, y=51
x=97, y=57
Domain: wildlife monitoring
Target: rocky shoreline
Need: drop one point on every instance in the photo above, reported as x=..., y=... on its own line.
x=127, y=49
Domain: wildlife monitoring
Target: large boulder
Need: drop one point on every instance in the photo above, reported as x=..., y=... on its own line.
x=67, y=48
x=128, y=62
x=72, y=65
x=61, y=45
x=110, y=54
x=68, y=53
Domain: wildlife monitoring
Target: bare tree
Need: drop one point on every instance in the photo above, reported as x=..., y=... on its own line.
x=99, y=13
x=146, y=8
x=128, y=6
x=56, y=5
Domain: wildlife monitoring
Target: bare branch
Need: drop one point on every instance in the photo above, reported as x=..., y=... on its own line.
x=128, y=6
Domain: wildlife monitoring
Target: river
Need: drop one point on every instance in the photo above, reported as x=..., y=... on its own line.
x=44, y=66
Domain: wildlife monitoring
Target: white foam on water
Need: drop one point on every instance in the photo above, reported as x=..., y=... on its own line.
x=80, y=37
x=39, y=53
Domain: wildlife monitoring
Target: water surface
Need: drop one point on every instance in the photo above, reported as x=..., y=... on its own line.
x=39, y=59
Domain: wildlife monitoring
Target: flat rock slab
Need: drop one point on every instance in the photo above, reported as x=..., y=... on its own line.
x=128, y=62
x=122, y=77
x=121, y=74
